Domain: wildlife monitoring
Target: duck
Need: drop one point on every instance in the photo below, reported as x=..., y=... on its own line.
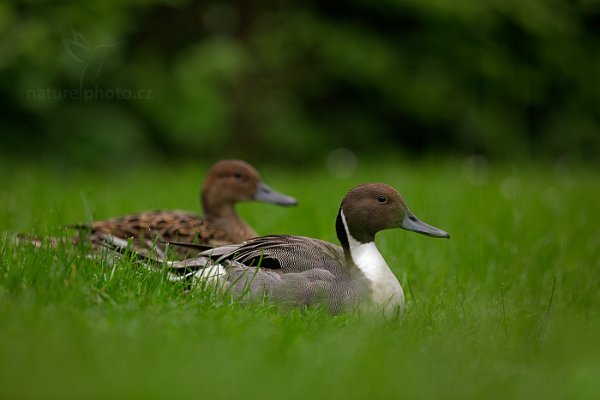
x=227, y=183
x=304, y=271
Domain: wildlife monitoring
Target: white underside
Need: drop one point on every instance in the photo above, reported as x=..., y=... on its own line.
x=211, y=275
x=387, y=291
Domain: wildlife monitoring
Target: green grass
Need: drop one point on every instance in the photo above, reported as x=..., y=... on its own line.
x=509, y=307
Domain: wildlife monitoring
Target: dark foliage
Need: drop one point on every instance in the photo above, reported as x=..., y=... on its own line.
x=122, y=80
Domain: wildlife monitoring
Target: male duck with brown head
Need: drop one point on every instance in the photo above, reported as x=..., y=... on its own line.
x=228, y=182
x=304, y=271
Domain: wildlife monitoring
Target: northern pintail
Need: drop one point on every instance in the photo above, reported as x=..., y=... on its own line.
x=304, y=271
x=228, y=182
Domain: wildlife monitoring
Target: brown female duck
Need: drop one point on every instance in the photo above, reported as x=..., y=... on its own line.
x=228, y=182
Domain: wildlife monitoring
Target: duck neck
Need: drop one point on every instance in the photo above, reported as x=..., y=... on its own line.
x=227, y=220
x=365, y=256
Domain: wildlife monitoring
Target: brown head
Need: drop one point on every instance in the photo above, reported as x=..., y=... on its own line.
x=233, y=181
x=373, y=207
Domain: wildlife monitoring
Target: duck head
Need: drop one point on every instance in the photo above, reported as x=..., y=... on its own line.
x=233, y=181
x=373, y=207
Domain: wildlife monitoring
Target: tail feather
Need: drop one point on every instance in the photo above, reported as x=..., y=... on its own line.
x=195, y=246
x=177, y=269
x=39, y=242
x=195, y=269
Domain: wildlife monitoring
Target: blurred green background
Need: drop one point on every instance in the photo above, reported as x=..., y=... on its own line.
x=115, y=82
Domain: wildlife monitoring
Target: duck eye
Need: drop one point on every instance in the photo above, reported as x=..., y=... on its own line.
x=237, y=175
x=382, y=199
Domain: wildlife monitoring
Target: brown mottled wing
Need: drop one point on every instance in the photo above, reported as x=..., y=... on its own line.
x=150, y=229
x=168, y=225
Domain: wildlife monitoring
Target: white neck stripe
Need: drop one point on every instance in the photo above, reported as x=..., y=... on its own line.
x=351, y=241
x=386, y=288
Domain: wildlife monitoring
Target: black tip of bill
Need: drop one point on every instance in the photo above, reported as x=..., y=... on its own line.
x=412, y=223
